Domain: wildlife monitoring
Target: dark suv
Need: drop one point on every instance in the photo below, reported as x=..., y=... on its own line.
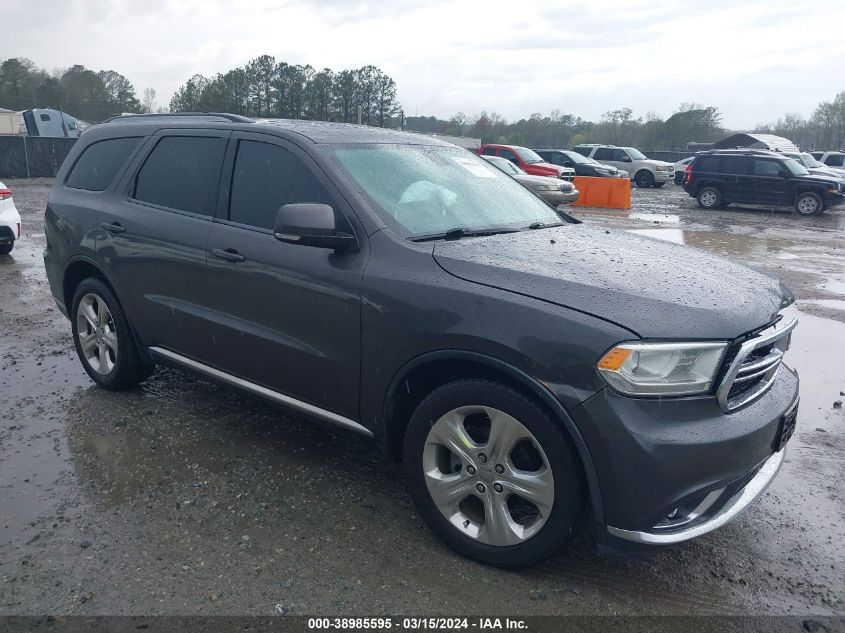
x=526, y=367
x=721, y=177
x=582, y=165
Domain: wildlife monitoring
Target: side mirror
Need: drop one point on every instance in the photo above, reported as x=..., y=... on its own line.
x=568, y=163
x=310, y=224
x=515, y=161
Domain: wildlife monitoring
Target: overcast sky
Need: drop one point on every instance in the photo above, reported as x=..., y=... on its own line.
x=754, y=59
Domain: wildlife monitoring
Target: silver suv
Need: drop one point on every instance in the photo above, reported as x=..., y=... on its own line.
x=644, y=171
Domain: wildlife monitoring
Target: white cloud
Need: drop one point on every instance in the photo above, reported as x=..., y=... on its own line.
x=755, y=61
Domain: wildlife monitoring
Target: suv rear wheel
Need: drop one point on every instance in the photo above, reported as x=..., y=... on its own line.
x=809, y=203
x=644, y=179
x=491, y=473
x=103, y=339
x=5, y=249
x=709, y=198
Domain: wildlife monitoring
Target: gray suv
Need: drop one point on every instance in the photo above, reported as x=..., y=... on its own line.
x=528, y=369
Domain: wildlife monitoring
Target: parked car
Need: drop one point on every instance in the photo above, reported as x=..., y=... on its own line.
x=528, y=161
x=721, y=177
x=582, y=165
x=814, y=166
x=644, y=171
x=402, y=288
x=10, y=221
x=552, y=190
x=680, y=169
x=834, y=160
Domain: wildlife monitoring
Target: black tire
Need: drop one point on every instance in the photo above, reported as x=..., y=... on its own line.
x=569, y=493
x=644, y=179
x=5, y=249
x=709, y=198
x=658, y=185
x=809, y=203
x=129, y=368
x=679, y=177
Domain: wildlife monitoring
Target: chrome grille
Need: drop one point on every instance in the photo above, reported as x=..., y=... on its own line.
x=753, y=369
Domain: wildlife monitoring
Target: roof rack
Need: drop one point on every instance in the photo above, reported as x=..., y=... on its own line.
x=235, y=118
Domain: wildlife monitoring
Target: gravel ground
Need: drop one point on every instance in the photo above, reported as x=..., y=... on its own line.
x=184, y=498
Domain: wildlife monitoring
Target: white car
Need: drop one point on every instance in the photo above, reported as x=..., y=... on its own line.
x=834, y=160
x=643, y=170
x=681, y=170
x=10, y=221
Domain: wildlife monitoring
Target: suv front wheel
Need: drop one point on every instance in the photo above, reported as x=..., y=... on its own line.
x=809, y=203
x=491, y=473
x=644, y=179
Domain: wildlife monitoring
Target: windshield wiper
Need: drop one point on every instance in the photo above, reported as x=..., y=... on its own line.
x=541, y=225
x=459, y=232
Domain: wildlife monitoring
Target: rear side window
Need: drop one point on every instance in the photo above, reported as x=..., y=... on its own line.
x=603, y=153
x=182, y=172
x=266, y=177
x=100, y=162
x=506, y=153
x=735, y=164
x=835, y=160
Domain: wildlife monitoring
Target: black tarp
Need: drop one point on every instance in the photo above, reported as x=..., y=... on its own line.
x=32, y=156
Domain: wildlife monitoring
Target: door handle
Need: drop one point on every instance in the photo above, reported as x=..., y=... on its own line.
x=114, y=227
x=229, y=254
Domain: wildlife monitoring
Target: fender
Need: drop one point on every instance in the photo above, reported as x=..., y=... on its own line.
x=142, y=348
x=536, y=387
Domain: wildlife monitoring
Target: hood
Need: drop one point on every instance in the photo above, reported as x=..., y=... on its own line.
x=527, y=179
x=820, y=178
x=657, y=163
x=553, y=168
x=654, y=288
x=827, y=172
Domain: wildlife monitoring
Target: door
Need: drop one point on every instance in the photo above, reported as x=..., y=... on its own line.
x=154, y=237
x=613, y=156
x=734, y=174
x=285, y=316
x=771, y=180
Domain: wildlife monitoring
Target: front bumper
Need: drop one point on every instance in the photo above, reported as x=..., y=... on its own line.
x=663, y=176
x=556, y=198
x=730, y=501
x=672, y=469
x=10, y=225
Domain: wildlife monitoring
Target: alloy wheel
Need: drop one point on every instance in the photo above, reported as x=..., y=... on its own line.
x=488, y=475
x=708, y=199
x=96, y=333
x=808, y=205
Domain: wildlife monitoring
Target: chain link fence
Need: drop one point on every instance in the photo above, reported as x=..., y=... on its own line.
x=32, y=156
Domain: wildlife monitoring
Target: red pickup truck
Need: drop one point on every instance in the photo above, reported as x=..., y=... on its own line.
x=527, y=160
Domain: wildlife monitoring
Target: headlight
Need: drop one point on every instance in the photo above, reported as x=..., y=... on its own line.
x=662, y=369
x=543, y=187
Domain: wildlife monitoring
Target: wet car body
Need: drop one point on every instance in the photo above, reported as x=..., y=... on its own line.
x=385, y=318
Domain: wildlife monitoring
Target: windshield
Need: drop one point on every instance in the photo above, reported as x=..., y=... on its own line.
x=575, y=157
x=635, y=154
x=527, y=155
x=504, y=164
x=420, y=190
x=796, y=168
x=809, y=161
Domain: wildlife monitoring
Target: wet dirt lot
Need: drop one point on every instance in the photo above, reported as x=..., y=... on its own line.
x=185, y=498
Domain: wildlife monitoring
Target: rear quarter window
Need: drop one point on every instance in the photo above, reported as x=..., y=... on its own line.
x=707, y=163
x=99, y=163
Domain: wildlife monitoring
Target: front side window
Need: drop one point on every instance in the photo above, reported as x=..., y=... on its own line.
x=421, y=190
x=266, y=178
x=506, y=153
x=100, y=162
x=835, y=160
x=618, y=155
x=764, y=167
x=182, y=173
